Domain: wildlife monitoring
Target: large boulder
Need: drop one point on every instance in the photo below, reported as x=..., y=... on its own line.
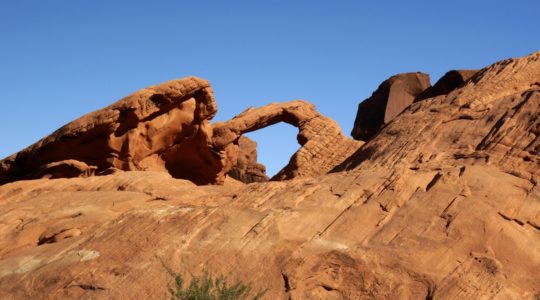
x=391, y=98
x=449, y=82
x=162, y=128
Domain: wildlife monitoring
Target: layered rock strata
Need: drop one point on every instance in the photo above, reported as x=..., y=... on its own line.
x=443, y=203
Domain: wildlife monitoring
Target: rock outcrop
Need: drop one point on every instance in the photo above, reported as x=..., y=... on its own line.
x=323, y=145
x=443, y=203
x=449, y=82
x=165, y=128
x=391, y=98
x=247, y=169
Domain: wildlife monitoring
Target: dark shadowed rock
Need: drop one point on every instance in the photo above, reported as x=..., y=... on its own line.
x=247, y=169
x=449, y=82
x=65, y=169
x=391, y=98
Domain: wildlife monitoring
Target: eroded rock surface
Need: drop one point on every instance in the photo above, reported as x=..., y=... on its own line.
x=323, y=145
x=443, y=203
x=449, y=82
x=391, y=98
x=247, y=169
x=165, y=127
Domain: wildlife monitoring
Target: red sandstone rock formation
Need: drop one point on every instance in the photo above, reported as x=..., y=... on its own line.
x=166, y=128
x=391, y=98
x=321, y=140
x=449, y=82
x=443, y=203
x=247, y=169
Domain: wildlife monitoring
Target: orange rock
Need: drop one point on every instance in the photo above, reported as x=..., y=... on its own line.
x=322, y=144
x=449, y=82
x=247, y=169
x=391, y=97
x=165, y=127
x=443, y=203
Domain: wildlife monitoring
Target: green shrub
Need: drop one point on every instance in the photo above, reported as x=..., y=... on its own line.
x=205, y=288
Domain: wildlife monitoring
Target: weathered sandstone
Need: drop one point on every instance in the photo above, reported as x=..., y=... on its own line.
x=391, y=98
x=449, y=82
x=443, y=203
x=247, y=169
x=322, y=144
x=166, y=128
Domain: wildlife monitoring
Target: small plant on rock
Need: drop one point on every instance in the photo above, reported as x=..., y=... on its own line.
x=205, y=287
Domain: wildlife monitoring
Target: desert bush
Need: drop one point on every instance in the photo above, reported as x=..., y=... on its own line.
x=205, y=287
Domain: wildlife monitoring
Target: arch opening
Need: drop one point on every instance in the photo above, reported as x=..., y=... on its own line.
x=323, y=145
x=276, y=145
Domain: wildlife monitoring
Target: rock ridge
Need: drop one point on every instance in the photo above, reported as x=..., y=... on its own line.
x=442, y=203
x=167, y=128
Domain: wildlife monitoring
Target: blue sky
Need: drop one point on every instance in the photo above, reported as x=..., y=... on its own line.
x=62, y=59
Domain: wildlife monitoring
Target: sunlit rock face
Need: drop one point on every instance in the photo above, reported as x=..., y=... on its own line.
x=322, y=143
x=167, y=128
x=442, y=203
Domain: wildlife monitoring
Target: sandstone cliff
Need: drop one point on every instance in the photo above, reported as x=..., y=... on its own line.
x=442, y=203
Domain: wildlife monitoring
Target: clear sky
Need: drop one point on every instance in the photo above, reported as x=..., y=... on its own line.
x=61, y=59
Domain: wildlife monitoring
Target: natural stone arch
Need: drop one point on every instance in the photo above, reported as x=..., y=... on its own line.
x=323, y=145
x=167, y=128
